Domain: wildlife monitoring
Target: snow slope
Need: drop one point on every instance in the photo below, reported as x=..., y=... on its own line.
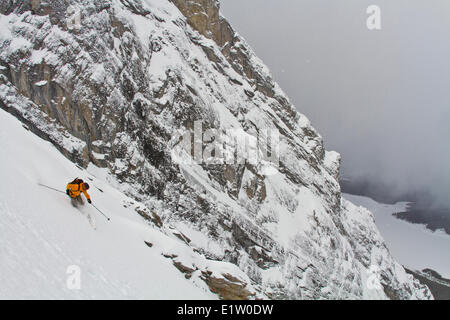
x=412, y=245
x=42, y=234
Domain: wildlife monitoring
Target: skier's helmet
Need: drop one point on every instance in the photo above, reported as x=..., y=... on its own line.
x=86, y=185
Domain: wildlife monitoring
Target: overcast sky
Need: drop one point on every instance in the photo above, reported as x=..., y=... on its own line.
x=380, y=98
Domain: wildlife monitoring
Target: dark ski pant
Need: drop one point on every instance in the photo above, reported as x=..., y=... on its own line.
x=76, y=202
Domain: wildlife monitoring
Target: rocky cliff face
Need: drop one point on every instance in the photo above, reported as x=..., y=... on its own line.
x=122, y=85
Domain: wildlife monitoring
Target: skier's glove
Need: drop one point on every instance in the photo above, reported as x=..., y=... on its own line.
x=67, y=191
x=89, y=200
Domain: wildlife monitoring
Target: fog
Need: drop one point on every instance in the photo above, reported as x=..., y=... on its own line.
x=381, y=98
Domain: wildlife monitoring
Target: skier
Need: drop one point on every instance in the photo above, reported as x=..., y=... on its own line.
x=74, y=190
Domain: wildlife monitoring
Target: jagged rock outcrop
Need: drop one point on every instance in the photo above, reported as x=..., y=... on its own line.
x=120, y=90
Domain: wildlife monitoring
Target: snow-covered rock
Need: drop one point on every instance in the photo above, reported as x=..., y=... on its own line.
x=133, y=77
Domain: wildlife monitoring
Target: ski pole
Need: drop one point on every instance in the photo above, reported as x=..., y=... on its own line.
x=43, y=185
x=101, y=212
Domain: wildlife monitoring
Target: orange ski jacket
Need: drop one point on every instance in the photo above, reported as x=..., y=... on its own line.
x=75, y=189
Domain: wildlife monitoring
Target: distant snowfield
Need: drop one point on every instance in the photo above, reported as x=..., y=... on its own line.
x=42, y=235
x=412, y=245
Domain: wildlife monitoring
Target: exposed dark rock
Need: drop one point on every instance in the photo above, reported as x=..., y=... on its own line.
x=228, y=287
x=149, y=244
x=439, y=286
x=153, y=217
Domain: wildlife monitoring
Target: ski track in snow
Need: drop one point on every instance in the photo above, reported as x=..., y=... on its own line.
x=42, y=234
x=412, y=245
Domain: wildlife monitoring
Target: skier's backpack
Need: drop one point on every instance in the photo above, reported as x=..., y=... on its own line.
x=77, y=181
